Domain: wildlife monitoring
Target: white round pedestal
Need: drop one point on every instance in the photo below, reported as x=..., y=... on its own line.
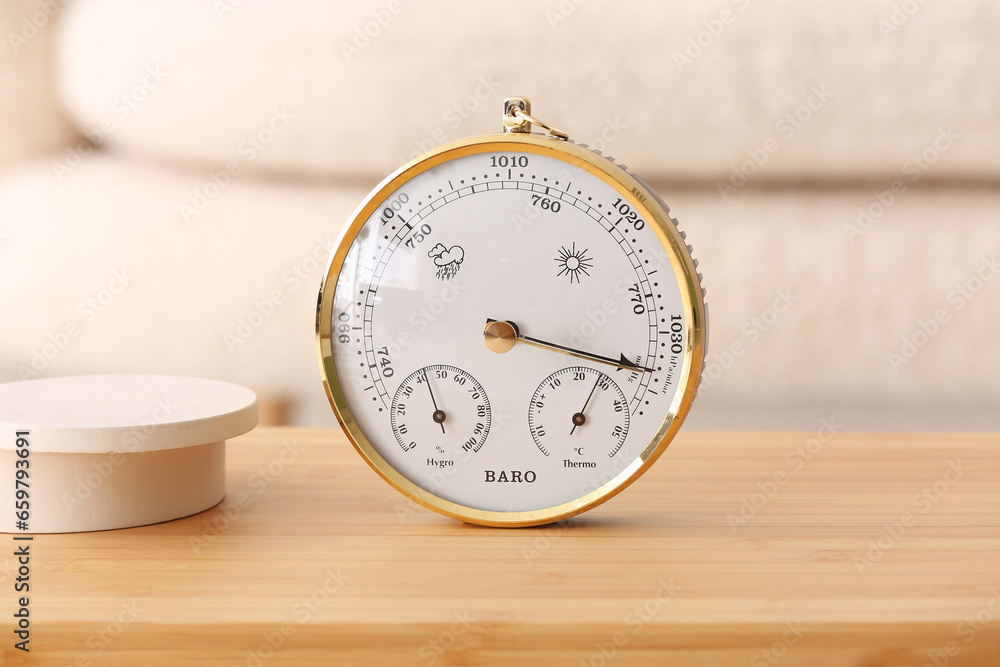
x=97, y=452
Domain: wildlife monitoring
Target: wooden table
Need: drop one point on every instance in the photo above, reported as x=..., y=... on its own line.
x=735, y=549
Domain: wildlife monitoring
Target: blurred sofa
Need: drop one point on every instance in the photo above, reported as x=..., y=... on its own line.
x=174, y=174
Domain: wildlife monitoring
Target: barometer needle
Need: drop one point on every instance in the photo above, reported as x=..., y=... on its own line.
x=579, y=419
x=438, y=415
x=621, y=362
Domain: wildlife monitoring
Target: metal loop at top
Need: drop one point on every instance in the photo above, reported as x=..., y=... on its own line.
x=519, y=117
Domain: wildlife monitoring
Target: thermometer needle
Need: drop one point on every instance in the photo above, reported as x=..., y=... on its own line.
x=579, y=419
x=438, y=415
x=501, y=336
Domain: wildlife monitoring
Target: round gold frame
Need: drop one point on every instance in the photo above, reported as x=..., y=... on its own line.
x=643, y=200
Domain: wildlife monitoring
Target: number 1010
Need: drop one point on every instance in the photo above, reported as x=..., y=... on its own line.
x=509, y=161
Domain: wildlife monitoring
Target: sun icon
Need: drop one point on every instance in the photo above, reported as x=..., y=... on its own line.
x=573, y=262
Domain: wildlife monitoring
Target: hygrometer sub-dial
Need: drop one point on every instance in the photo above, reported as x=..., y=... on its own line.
x=440, y=411
x=578, y=414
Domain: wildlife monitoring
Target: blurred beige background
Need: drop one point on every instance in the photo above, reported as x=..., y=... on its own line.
x=173, y=175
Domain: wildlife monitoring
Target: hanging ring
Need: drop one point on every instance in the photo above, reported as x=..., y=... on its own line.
x=519, y=120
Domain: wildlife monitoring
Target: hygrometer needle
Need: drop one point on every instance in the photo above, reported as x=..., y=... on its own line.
x=515, y=333
x=438, y=415
x=579, y=419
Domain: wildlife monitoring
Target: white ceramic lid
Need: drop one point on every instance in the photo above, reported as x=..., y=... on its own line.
x=124, y=413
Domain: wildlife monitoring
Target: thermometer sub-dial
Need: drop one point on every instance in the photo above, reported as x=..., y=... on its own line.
x=578, y=413
x=440, y=410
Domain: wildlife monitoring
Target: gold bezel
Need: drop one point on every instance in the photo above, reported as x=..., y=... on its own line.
x=644, y=201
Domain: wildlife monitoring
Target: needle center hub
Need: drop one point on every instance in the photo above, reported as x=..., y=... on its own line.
x=438, y=416
x=500, y=336
x=579, y=419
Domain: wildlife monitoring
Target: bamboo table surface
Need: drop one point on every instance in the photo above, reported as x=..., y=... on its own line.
x=734, y=549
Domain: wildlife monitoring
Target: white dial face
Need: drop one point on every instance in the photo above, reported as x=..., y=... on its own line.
x=587, y=321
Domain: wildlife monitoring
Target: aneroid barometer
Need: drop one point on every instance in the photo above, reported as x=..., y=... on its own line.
x=512, y=328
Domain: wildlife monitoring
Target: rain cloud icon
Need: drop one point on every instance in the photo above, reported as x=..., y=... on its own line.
x=447, y=260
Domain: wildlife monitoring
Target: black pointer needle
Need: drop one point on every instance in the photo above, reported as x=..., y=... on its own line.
x=621, y=362
x=438, y=415
x=579, y=419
